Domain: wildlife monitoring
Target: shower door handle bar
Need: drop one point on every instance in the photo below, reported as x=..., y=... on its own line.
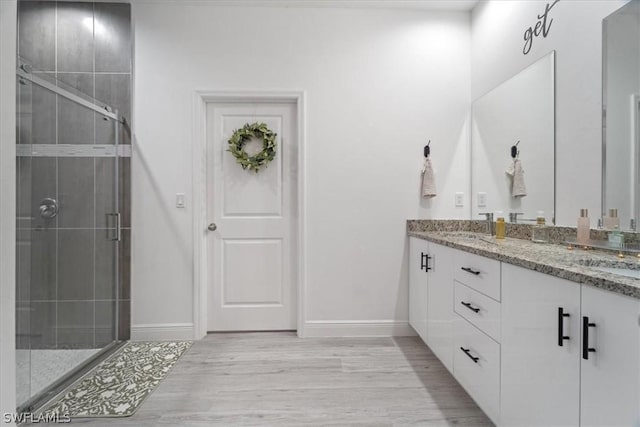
x=118, y=227
x=118, y=231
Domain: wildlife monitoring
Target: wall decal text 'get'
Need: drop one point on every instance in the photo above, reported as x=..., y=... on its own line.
x=542, y=26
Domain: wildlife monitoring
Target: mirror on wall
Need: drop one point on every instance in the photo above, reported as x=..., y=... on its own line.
x=519, y=112
x=621, y=118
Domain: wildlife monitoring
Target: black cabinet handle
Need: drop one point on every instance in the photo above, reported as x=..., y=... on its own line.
x=561, y=335
x=470, y=307
x=585, y=338
x=468, y=353
x=469, y=270
x=424, y=262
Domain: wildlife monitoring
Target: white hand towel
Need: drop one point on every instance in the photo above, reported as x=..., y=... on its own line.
x=515, y=171
x=428, y=179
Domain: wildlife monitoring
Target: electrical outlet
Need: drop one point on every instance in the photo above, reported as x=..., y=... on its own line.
x=180, y=200
x=459, y=200
x=482, y=200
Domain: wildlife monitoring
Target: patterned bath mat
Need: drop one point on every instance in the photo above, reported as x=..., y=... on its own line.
x=117, y=386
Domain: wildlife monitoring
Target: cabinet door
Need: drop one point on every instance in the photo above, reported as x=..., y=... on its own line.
x=540, y=380
x=476, y=366
x=439, y=304
x=418, y=252
x=610, y=375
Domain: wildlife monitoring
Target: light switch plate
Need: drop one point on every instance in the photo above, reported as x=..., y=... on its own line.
x=459, y=200
x=180, y=200
x=482, y=200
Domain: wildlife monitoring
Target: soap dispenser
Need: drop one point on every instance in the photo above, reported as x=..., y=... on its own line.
x=540, y=231
x=612, y=221
x=584, y=227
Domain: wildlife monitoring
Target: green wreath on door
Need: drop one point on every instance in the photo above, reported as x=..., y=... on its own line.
x=245, y=134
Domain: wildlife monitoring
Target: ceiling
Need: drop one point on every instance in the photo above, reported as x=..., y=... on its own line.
x=443, y=5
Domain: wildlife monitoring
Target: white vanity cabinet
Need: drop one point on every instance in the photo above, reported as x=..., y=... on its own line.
x=476, y=338
x=610, y=375
x=418, y=269
x=531, y=349
x=570, y=353
x=431, y=296
x=540, y=379
x=439, y=298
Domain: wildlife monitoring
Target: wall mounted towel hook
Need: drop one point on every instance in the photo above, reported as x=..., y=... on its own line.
x=427, y=149
x=514, y=150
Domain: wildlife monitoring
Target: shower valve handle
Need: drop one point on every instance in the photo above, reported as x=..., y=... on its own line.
x=48, y=208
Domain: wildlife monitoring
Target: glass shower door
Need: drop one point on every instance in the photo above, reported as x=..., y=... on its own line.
x=68, y=230
x=23, y=240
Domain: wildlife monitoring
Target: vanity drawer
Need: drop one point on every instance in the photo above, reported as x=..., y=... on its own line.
x=479, y=273
x=478, y=309
x=476, y=366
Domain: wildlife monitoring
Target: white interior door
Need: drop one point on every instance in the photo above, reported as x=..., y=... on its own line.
x=251, y=253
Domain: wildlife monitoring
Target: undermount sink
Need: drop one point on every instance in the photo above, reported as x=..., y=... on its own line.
x=471, y=236
x=620, y=271
x=621, y=268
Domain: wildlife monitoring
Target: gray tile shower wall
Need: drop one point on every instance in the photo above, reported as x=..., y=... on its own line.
x=66, y=265
x=37, y=34
x=114, y=90
x=112, y=19
x=74, y=41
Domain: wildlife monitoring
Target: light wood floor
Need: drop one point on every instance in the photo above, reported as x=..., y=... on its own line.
x=277, y=379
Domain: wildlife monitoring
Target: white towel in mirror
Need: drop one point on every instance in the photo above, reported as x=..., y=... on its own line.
x=515, y=171
x=428, y=179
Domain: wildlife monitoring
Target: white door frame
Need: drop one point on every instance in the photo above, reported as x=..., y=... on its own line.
x=199, y=156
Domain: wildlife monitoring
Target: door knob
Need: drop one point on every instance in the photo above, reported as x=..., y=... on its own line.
x=212, y=227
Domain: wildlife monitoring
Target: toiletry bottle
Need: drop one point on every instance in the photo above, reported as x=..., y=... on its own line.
x=501, y=226
x=540, y=231
x=616, y=238
x=612, y=221
x=584, y=227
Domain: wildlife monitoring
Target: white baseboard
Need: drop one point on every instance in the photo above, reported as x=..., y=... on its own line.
x=162, y=332
x=362, y=328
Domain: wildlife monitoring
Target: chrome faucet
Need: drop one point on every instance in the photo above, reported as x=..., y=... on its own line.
x=491, y=229
x=513, y=217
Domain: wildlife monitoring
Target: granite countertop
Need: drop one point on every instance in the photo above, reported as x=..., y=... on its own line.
x=557, y=260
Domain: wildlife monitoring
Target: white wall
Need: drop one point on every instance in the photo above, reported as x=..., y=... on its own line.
x=576, y=34
x=379, y=84
x=8, y=20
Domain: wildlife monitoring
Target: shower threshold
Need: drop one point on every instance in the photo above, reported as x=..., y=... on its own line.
x=49, y=390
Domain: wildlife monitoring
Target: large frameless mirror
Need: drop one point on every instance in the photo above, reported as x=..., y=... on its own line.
x=513, y=146
x=621, y=118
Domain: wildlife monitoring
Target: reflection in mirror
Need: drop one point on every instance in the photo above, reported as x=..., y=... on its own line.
x=520, y=109
x=621, y=124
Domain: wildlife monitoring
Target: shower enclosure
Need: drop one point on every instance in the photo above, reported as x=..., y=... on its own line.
x=72, y=249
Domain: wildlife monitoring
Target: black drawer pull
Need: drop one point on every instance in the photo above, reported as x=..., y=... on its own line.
x=470, y=307
x=585, y=338
x=561, y=335
x=468, y=353
x=469, y=270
